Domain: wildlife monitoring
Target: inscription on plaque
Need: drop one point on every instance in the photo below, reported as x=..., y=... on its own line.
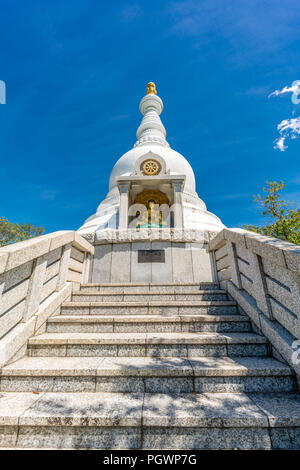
x=151, y=256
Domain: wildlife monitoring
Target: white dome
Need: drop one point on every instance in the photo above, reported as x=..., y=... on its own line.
x=175, y=162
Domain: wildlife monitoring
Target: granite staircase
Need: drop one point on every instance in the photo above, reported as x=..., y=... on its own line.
x=149, y=366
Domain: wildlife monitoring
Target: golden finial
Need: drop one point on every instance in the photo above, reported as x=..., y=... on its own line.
x=151, y=90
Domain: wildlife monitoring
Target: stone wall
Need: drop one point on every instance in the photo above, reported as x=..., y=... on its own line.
x=116, y=255
x=183, y=263
x=36, y=276
x=263, y=275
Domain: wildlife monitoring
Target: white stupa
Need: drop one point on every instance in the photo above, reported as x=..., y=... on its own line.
x=166, y=166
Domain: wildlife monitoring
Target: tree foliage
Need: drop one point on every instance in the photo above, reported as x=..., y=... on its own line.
x=284, y=221
x=12, y=233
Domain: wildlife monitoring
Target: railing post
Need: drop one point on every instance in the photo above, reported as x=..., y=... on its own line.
x=86, y=268
x=295, y=291
x=212, y=256
x=233, y=261
x=260, y=289
x=64, y=267
x=2, y=283
x=36, y=282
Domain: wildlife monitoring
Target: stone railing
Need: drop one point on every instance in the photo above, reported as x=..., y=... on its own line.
x=263, y=275
x=36, y=276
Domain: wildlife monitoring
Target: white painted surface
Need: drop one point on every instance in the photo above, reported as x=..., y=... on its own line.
x=151, y=138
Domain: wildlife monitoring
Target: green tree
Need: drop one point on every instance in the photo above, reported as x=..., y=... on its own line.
x=284, y=221
x=12, y=233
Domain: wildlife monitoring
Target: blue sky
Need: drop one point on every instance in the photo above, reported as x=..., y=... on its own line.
x=75, y=72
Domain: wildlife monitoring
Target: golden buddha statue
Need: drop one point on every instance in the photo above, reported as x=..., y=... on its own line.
x=153, y=201
x=152, y=217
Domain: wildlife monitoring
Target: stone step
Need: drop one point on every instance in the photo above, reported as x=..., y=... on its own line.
x=147, y=374
x=148, y=287
x=147, y=323
x=150, y=308
x=150, y=421
x=147, y=344
x=110, y=296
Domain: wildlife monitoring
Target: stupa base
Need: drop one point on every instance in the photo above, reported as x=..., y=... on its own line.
x=151, y=255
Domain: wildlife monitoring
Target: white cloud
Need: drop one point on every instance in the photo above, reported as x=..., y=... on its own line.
x=294, y=89
x=291, y=126
x=288, y=128
x=279, y=144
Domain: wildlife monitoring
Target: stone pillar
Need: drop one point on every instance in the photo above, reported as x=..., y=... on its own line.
x=260, y=289
x=177, y=186
x=64, y=267
x=232, y=257
x=86, y=267
x=123, y=211
x=213, y=266
x=35, y=287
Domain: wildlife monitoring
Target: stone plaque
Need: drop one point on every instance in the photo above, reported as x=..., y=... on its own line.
x=151, y=256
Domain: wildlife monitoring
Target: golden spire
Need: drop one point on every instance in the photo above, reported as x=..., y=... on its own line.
x=151, y=90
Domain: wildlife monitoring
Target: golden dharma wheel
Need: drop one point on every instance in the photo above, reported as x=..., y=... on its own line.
x=150, y=167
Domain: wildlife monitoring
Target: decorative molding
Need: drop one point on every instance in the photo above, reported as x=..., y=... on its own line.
x=150, y=234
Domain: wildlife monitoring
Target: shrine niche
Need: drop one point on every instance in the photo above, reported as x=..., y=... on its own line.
x=157, y=209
